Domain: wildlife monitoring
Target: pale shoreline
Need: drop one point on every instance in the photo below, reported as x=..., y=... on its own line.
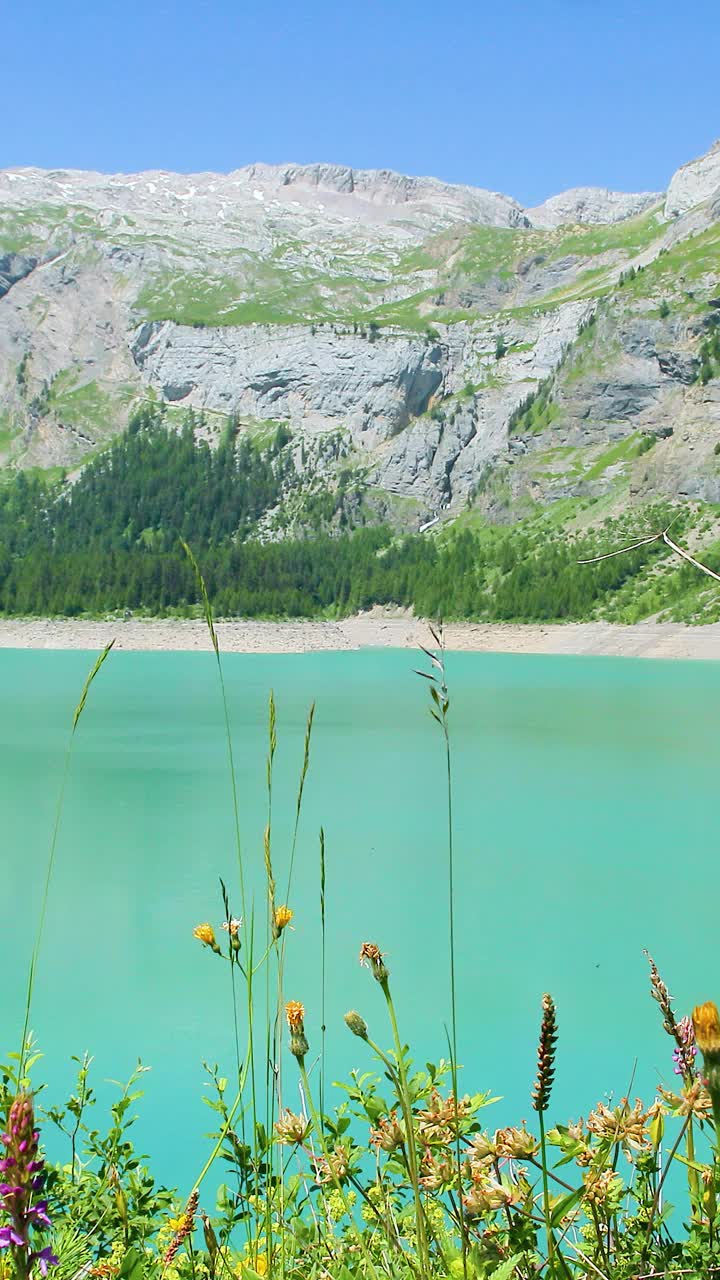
x=376, y=629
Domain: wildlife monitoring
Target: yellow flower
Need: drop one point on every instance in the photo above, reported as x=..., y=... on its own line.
x=206, y=934
x=259, y=1265
x=283, y=916
x=706, y=1022
x=295, y=1014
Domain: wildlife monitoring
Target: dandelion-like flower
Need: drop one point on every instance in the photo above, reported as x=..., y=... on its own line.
x=295, y=1014
x=706, y=1022
x=231, y=926
x=546, y=1056
x=23, y=1168
x=373, y=958
x=283, y=916
x=206, y=934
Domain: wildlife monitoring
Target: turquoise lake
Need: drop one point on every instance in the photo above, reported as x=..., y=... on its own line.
x=586, y=829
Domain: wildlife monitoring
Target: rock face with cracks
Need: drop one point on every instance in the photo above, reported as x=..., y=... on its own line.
x=462, y=348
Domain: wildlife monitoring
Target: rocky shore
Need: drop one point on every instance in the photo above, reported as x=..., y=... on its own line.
x=373, y=630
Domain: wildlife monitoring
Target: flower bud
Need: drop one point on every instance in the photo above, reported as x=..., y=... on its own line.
x=357, y=1024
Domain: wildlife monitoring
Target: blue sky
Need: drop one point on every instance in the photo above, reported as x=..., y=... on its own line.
x=521, y=97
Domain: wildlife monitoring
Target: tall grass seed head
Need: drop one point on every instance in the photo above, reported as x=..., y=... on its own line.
x=185, y=1228
x=546, y=1056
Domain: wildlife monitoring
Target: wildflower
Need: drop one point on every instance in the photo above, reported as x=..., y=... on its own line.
x=685, y=1052
x=185, y=1229
x=18, y=1198
x=373, y=958
x=334, y=1167
x=624, y=1124
x=388, y=1134
x=482, y=1149
x=546, y=1056
x=357, y=1024
x=602, y=1188
x=292, y=1128
x=232, y=926
x=206, y=934
x=693, y=1100
x=486, y=1195
x=515, y=1143
x=258, y=1264
x=706, y=1022
x=440, y=1122
x=283, y=916
x=295, y=1014
x=439, y=1172
x=335, y=1203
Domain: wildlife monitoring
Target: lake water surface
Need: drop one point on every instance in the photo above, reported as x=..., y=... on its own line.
x=586, y=829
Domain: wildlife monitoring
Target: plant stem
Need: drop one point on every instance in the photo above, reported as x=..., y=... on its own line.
x=410, y=1134
x=546, y=1198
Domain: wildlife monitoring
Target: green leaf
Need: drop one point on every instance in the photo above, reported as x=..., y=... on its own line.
x=505, y=1270
x=691, y=1164
x=564, y=1205
x=132, y=1266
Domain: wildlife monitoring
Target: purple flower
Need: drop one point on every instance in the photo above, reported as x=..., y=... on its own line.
x=8, y=1236
x=685, y=1054
x=17, y=1198
x=7, y=1189
x=45, y=1258
x=38, y=1213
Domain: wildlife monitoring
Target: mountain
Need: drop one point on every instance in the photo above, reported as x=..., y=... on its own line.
x=439, y=345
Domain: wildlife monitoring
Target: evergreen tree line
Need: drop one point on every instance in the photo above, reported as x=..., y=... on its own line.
x=111, y=541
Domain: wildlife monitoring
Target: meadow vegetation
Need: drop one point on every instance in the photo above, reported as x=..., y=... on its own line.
x=403, y=1176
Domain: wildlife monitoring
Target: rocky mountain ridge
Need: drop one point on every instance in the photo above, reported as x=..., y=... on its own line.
x=455, y=348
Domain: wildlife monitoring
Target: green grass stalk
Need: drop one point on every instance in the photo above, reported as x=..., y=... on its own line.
x=35, y=955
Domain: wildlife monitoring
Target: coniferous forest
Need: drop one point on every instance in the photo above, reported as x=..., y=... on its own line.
x=111, y=540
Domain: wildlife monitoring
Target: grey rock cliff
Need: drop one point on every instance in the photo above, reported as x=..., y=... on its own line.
x=694, y=183
x=396, y=323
